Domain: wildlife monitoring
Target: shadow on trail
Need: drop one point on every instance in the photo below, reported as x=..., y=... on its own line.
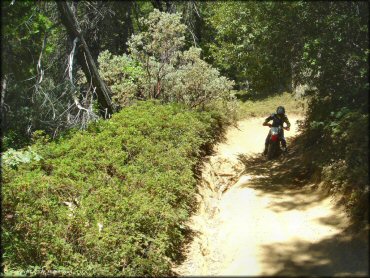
x=282, y=176
x=287, y=182
x=336, y=256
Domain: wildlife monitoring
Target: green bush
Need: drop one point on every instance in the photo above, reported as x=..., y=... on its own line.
x=122, y=74
x=110, y=200
x=343, y=163
x=158, y=67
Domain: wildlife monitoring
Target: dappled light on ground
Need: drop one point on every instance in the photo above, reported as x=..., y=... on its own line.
x=333, y=256
x=271, y=220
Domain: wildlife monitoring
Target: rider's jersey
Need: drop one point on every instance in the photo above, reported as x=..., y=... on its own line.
x=277, y=120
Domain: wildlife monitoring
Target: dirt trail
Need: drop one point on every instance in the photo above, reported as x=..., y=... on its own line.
x=255, y=221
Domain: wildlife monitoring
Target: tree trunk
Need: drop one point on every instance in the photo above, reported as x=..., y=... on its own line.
x=2, y=101
x=169, y=6
x=85, y=59
x=157, y=4
x=137, y=15
x=127, y=29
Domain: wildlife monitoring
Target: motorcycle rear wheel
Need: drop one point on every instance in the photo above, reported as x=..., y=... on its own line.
x=272, y=150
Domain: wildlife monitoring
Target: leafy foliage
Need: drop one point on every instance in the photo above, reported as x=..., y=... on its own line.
x=13, y=158
x=195, y=82
x=251, y=43
x=157, y=68
x=22, y=35
x=34, y=61
x=334, y=63
x=122, y=74
x=110, y=200
x=170, y=73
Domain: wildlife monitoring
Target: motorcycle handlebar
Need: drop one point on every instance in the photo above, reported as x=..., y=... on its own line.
x=286, y=128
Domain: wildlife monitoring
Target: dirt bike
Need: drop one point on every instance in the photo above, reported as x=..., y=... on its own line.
x=274, y=149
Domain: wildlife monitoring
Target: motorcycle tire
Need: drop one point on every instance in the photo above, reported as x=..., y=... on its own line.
x=272, y=150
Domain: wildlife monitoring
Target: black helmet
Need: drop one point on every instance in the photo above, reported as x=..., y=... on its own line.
x=280, y=110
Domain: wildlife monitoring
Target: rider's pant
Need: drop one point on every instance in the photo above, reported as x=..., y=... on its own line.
x=282, y=139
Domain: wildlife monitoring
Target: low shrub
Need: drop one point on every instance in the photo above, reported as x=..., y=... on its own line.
x=109, y=200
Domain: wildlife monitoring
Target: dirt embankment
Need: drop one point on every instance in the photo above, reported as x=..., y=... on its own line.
x=257, y=218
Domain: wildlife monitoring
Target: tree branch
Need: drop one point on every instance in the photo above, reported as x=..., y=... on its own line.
x=88, y=66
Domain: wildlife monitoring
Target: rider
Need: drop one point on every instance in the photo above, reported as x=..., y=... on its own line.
x=278, y=119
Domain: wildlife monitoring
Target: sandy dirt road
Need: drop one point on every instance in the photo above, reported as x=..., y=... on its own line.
x=256, y=220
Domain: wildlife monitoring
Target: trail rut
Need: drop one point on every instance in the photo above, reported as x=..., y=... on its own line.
x=254, y=219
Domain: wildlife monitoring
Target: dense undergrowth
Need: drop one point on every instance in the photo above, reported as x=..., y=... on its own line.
x=110, y=200
x=336, y=152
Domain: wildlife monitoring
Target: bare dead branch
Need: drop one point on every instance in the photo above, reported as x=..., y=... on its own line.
x=70, y=61
x=195, y=8
x=2, y=101
x=40, y=71
x=193, y=35
x=69, y=20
